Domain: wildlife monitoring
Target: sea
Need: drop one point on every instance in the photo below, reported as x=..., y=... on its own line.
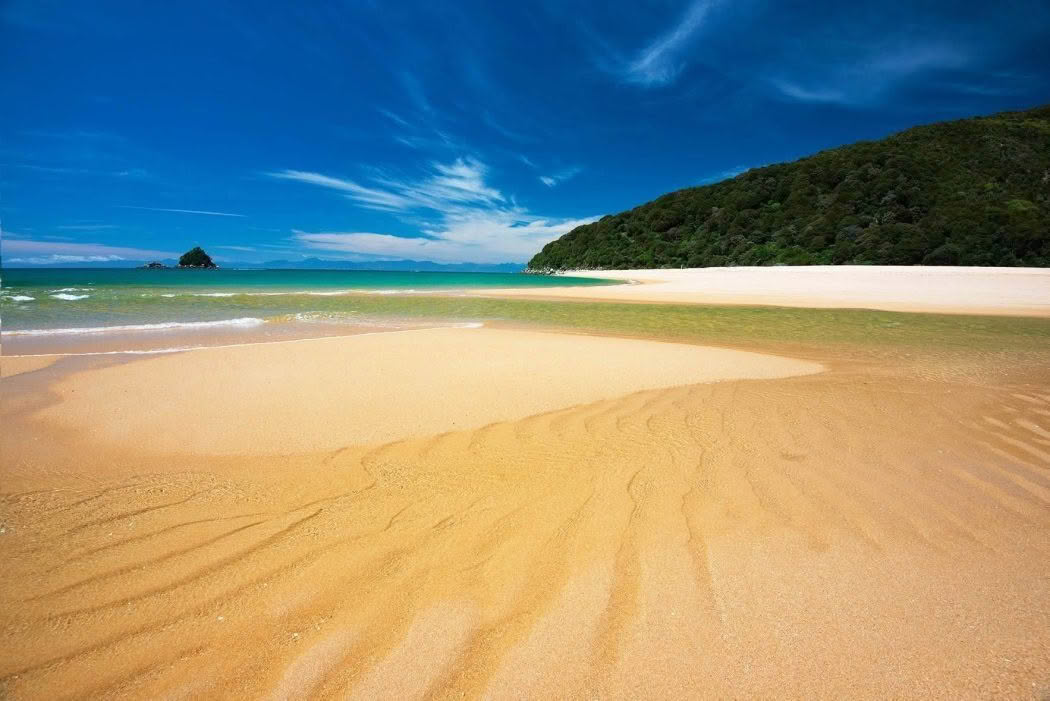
x=115, y=310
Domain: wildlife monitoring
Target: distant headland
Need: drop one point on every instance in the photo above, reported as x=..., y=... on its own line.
x=972, y=192
x=194, y=258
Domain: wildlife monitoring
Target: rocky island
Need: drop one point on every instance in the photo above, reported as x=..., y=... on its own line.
x=196, y=258
x=193, y=258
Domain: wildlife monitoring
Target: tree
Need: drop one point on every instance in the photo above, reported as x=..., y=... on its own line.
x=196, y=258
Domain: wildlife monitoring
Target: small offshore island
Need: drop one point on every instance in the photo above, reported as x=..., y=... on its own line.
x=194, y=258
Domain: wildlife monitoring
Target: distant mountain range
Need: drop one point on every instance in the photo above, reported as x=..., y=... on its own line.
x=969, y=192
x=398, y=265
x=319, y=264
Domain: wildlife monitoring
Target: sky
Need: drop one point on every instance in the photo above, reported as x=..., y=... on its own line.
x=450, y=131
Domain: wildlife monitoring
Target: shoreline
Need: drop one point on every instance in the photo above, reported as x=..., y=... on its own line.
x=391, y=386
x=179, y=337
x=921, y=289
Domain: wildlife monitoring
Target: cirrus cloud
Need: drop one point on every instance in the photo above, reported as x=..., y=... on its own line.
x=448, y=185
x=460, y=217
x=660, y=62
x=34, y=252
x=561, y=176
x=495, y=238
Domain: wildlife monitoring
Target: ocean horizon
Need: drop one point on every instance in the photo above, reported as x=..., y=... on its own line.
x=43, y=307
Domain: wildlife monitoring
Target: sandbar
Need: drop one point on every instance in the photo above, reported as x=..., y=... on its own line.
x=324, y=394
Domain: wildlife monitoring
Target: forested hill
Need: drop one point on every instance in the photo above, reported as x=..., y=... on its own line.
x=970, y=192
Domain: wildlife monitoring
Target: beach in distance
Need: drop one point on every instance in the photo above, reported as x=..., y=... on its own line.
x=688, y=487
x=1022, y=291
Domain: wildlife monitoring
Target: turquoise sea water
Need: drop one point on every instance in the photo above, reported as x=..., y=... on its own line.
x=67, y=302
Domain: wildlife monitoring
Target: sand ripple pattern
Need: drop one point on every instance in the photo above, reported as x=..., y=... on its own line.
x=834, y=535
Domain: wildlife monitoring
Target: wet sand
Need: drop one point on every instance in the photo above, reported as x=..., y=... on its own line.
x=325, y=394
x=947, y=289
x=586, y=518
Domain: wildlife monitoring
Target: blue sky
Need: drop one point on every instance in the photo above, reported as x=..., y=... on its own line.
x=450, y=131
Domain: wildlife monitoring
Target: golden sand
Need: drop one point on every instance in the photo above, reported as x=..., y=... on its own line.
x=879, y=529
x=326, y=394
x=11, y=366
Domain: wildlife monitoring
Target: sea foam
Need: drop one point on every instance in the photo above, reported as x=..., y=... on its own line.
x=396, y=292
x=70, y=298
x=309, y=293
x=243, y=322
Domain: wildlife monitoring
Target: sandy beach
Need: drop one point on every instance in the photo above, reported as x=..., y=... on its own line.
x=329, y=393
x=1017, y=291
x=501, y=513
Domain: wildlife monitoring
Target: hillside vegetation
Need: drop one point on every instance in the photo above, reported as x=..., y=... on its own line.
x=969, y=192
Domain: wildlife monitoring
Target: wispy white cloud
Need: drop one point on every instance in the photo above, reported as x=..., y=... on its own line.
x=422, y=128
x=56, y=259
x=504, y=130
x=460, y=217
x=660, y=62
x=427, y=139
x=482, y=237
x=864, y=78
x=448, y=185
x=32, y=250
x=182, y=211
x=66, y=170
x=561, y=176
x=396, y=118
x=237, y=248
x=87, y=227
x=371, y=198
x=460, y=181
x=911, y=58
x=798, y=93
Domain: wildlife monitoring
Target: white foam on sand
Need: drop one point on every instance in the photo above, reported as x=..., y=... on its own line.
x=308, y=293
x=243, y=322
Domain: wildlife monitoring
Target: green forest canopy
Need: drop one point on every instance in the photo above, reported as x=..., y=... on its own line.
x=969, y=192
